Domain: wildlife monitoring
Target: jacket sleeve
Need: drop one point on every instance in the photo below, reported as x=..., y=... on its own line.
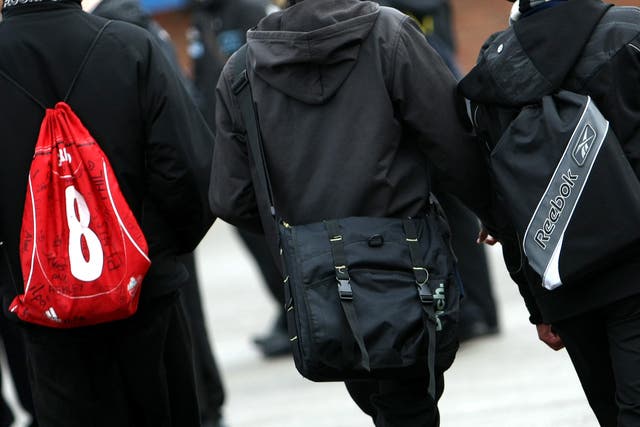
x=424, y=93
x=179, y=147
x=231, y=193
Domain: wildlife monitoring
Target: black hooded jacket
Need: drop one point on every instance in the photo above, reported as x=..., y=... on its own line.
x=356, y=111
x=585, y=46
x=130, y=99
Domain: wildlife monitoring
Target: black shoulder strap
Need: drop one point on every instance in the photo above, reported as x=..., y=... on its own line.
x=22, y=89
x=73, y=82
x=85, y=60
x=242, y=90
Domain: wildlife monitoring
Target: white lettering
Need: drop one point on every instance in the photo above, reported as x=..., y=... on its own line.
x=557, y=204
x=78, y=218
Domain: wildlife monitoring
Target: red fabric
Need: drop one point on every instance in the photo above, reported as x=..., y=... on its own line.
x=83, y=254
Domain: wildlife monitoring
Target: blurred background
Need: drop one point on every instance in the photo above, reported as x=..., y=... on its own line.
x=474, y=21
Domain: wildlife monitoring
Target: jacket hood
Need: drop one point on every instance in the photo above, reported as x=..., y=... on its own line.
x=123, y=10
x=534, y=56
x=308, y=50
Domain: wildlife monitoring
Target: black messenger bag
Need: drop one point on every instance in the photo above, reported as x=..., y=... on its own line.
x=568, y=188
x=365, y=297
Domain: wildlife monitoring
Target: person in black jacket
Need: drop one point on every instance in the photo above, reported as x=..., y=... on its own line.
x=356, y=111
x=137, y=371
x=598, y=55
x=209, y=386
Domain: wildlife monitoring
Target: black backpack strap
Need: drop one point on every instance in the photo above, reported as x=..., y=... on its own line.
x=242, y=90
x=346, y=295
x=421, y=273
x=22, y=89
x=85, y=60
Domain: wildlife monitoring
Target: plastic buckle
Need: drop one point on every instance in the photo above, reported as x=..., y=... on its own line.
x=344, y=290
x=425, y=294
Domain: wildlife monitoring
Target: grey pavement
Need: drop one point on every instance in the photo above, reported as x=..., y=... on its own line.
x=508, y=380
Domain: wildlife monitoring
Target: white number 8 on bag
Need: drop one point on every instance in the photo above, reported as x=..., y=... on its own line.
x=78, y=218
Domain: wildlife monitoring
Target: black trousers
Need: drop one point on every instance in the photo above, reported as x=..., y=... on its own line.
x=604, y=346
x=406, y=402
x=209, y=386
x=397, y=403
x=131, y=373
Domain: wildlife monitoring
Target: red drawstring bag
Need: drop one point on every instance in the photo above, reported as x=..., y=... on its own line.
x=83, y=254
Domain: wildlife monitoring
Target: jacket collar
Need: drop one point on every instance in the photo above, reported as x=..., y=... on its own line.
x=20, y=7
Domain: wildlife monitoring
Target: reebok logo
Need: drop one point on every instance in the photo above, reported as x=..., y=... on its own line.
x=556, y=205
x=584, y=144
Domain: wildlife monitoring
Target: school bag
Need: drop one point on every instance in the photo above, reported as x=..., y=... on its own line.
x=568, y=187
x=82, y=252
x=365, y=297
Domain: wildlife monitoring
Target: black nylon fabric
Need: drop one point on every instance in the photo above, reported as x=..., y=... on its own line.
x=385, y=296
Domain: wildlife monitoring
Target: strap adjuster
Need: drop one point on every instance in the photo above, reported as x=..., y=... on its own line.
x=344, y=290
x=425, y=294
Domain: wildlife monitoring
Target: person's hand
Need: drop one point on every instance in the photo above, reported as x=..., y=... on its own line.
x=485, y=237
x=548, y=336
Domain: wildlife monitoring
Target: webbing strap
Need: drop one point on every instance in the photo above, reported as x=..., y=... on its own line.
x=22, y=89
x=420, y=271
x=346, y=295
x=73, y=82
x=85, y=60
x=242, y=90
x=426, y=296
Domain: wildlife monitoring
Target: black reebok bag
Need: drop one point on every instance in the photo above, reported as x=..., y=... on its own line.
x=365, y=297
x=568, y=188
